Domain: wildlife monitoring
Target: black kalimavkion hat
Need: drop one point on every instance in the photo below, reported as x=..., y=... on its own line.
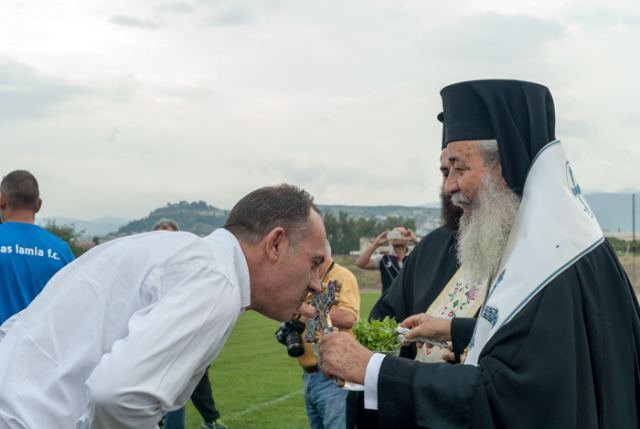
x=519, y=115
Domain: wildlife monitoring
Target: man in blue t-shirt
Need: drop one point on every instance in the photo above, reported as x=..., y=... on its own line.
x=29, y=255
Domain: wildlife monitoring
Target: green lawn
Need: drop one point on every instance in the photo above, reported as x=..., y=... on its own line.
x=255, y=383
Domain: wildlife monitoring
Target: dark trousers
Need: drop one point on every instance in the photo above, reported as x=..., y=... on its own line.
x=202, y=398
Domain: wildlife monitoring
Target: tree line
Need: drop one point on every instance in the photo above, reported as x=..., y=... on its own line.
x=344, y=232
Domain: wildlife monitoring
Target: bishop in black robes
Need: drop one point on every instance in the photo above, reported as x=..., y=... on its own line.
x=567, y=353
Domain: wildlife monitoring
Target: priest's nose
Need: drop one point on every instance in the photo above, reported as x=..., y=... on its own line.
x=451, y=185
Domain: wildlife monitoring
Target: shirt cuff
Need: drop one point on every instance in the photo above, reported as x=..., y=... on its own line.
x=371, y=381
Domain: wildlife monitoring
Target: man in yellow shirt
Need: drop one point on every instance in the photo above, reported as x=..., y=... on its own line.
x=324, y=400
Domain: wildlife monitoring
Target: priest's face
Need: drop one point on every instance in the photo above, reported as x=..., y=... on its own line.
x=490, y=207
x=467, y=168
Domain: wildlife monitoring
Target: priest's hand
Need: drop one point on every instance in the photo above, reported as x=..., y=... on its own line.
x=341, y=355
x=448, y=355
x=423, y=325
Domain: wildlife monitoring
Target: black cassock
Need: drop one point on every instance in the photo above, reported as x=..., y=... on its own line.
x=570, y=359
x=428, y=269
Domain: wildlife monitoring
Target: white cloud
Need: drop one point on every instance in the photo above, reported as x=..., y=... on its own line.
x=340, y=97
x=177, y=7
x=232, y=15
x=26, y=94
x=133, y=22
x=496, y=39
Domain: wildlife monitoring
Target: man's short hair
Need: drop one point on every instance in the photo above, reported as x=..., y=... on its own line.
x=20, y=188
x=166, y=224
x=266, y=208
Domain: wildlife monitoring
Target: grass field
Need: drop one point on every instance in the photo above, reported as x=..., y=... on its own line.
x=631, y=265
x=256, y=384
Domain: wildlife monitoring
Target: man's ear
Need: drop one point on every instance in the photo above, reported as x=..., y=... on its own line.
x=3, y=202
x=38, y=205
x=276, y=243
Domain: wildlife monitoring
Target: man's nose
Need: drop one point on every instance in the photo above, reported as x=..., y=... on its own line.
x=315, y=285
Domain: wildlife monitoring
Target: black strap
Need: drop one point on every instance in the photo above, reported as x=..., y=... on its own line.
x=328, y=271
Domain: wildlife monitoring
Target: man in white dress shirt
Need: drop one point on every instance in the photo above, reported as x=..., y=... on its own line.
x=124, y=334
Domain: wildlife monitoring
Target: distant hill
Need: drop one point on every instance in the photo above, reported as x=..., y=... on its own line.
x=201, y=218
x=196, y=217
x=613, y=211
x=88, y=228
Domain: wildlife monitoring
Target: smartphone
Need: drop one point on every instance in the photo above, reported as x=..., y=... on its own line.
x=394, y=235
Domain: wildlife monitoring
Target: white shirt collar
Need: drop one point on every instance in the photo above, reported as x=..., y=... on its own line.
x=240, y=265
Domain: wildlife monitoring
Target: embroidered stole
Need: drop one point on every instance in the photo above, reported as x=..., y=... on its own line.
x=461, y=297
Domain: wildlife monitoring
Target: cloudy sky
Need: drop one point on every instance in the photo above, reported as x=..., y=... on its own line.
x=120, y=106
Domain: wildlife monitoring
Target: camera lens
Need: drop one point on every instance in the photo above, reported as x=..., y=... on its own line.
x=294, y=344
x=289, y=335
x=295, y=347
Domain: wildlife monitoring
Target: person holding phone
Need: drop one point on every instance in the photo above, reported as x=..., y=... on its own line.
x=389, y=264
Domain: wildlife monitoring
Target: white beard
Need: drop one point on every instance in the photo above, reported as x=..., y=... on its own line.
x=484, y=230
